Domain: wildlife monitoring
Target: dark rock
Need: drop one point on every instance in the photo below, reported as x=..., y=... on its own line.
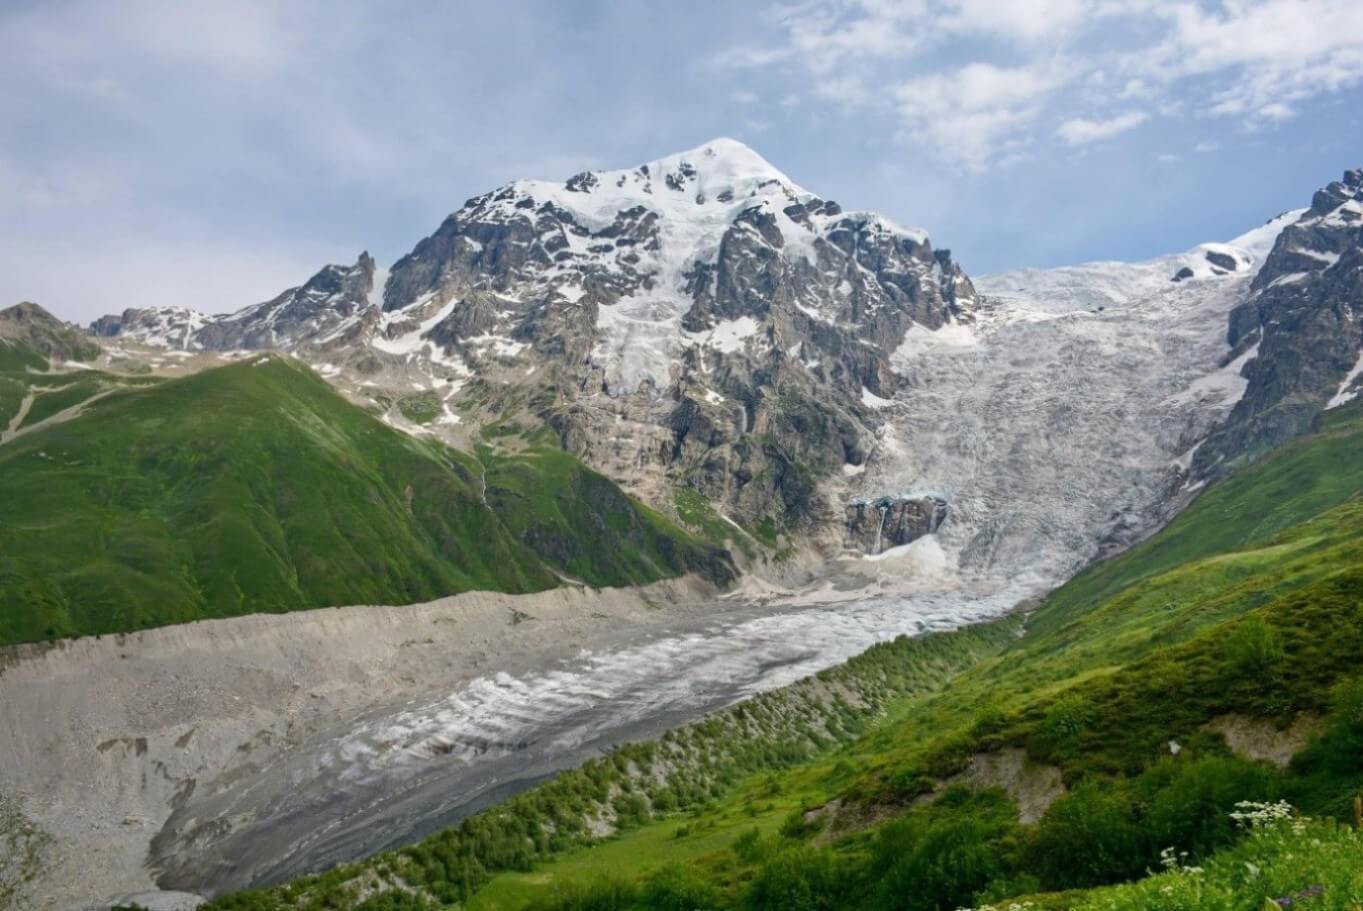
x=1222, y=261
x=1306, y=315
x=873, y=526
x=28, y=323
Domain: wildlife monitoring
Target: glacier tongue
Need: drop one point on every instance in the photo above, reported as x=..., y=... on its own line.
x=1055, y=423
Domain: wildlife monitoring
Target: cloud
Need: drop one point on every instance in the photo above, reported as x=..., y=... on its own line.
x=1082, y=131
x=1256, y=61
x=743, y=96
x=972, y=114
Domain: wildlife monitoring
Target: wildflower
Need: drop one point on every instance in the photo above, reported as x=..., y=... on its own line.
x=1256, y=815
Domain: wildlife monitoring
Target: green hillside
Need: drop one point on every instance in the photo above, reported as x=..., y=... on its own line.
x=254, y=487
x=1244, y=615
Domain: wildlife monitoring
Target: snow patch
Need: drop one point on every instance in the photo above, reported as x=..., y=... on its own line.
x=728, y=336
x=920, y=340
x=871, y=400
x=1344, y=394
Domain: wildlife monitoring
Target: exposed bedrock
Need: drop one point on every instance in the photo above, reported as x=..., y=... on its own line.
x=874, y=525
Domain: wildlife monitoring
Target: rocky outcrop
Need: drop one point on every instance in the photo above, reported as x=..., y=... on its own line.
x=329, y=310
x=874, y=525
x=27, y=322
x=1302, y=328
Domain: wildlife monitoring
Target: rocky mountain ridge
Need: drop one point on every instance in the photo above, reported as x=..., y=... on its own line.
x=1298, y=334
x=702, y=322
x=698, y=320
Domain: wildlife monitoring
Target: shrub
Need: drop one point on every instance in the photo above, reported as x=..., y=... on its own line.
x=799, y=879
x=602, y=894
x=946, y=854
x=748, y=846
x=1254, y=648
x=675, y=888
x=1088, y=837
x=1189, y=802
x=395, y=900
x=1348, y=703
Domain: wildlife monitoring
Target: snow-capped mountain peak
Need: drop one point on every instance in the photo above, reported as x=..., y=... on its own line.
x=720, y=171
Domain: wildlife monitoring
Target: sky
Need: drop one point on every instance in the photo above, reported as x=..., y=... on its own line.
x=212, y=154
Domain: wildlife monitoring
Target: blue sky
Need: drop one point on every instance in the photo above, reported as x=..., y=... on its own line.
x=212, y=154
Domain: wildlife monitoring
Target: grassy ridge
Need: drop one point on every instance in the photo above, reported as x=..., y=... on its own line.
x=1249, y=605
x=256, y=488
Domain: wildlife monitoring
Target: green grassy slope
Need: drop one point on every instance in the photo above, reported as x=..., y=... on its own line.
x=1249, y=605
x=256, y=488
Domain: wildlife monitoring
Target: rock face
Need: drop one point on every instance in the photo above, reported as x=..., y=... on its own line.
x=701, y=318
x=331, y=309
x=29, y=323
x=875, y=525
x=1299, y=333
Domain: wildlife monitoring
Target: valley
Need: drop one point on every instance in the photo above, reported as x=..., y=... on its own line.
x=682, y=501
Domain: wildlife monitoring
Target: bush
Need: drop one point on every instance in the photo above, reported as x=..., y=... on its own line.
x=1254, y=648
x=945, y=855
x=395, y=900
x=675, y=888
x=748, y=846
x=1065, y=720
x=799, y=879
x=1348, y=703
x=603, y=894
x=1088, y=837
x=1189, y=802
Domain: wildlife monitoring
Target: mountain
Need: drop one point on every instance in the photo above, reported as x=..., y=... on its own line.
x=698, y=320
x=1299, y=332
x=703, y=330
x=608, y=380
x=327, y=309
x=33, y=326
x=254, y=487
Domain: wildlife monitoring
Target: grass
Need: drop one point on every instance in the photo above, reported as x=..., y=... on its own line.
x=421, y=408
x=585, y=526
x=1308, y=864
x=698, y=514
x=255, y=488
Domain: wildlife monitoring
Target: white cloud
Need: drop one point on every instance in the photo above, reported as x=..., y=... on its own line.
x=246, y=39
x=1264, y=55
x=1082, y=131
x=972, y=115
x=1256, y=61
x=743, y=96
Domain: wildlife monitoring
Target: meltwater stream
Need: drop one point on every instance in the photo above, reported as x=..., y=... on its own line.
x=397, y=777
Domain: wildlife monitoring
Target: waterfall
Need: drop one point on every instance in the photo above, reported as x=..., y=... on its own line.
x=884, y=511
x=938, y=515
